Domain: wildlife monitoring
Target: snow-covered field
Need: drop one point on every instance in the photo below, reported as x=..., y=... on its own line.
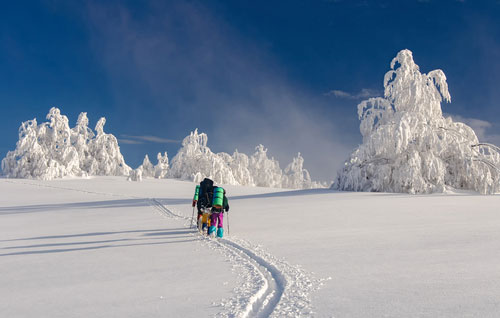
x=105, y=247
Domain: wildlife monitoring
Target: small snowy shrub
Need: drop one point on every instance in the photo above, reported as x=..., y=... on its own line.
x=53, y=150
x=408, y=146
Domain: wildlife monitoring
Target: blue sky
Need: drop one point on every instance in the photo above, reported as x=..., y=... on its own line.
x=287, y=74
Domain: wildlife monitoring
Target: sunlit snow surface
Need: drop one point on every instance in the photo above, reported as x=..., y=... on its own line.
x=105, y=247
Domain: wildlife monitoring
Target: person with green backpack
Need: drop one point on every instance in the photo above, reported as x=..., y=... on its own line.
x=219, y=205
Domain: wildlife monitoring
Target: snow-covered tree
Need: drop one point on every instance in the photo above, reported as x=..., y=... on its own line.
x=195, y=161
x=239, y=166
x=107, y=159
x=408, y=146
x=43, y=151
x=161, y=168
x=147, y=168
x=28, y=160
x=295, y=176
x=81, y=137
x=56, y=138
x=266, y=172
x=135, y=175
x=53, y=150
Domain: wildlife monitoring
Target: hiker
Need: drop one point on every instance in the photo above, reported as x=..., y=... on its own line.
x=219, y=205
x=204, y=203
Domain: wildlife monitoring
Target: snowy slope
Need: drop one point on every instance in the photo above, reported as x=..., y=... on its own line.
x=104, y=247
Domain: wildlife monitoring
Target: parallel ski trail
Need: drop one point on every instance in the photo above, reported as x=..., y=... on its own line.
x=270, y=287
x=272, y=283
x=164, y=210
x=265, y=300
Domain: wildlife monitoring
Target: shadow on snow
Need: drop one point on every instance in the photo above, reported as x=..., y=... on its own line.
x=171, y=236
x=122, y=203
x=134, y=203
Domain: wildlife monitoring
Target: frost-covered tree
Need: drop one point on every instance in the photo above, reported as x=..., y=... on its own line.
x=56, y=137
x=43, y=151
x=28, y=160
x=161, y=168
x=147, y=170
x=295, y=176
x=135, y=175
x=54, y=150
x=107, y=159
x=266, y=172
x=238, y=163
x=80, y=139
x=408, y=146
x=147, y=167
x=195, y=161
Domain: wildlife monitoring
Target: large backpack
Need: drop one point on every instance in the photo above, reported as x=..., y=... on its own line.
x=206, y=192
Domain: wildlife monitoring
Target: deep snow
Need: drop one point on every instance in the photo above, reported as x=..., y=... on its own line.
x=105, y=247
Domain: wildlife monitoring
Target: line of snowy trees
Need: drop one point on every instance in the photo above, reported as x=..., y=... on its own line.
x=54, y=150
x=195, y=161
x=408, y=146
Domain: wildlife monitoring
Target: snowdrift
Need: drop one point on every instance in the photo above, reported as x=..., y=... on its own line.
x=408, y=146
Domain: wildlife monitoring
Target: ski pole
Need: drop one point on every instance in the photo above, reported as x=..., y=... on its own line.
x=192, y=218
x=227, y=222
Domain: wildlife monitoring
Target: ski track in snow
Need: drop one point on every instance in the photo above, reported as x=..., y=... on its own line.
x=268, y=287
x=265, y=282
x=164, y=210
